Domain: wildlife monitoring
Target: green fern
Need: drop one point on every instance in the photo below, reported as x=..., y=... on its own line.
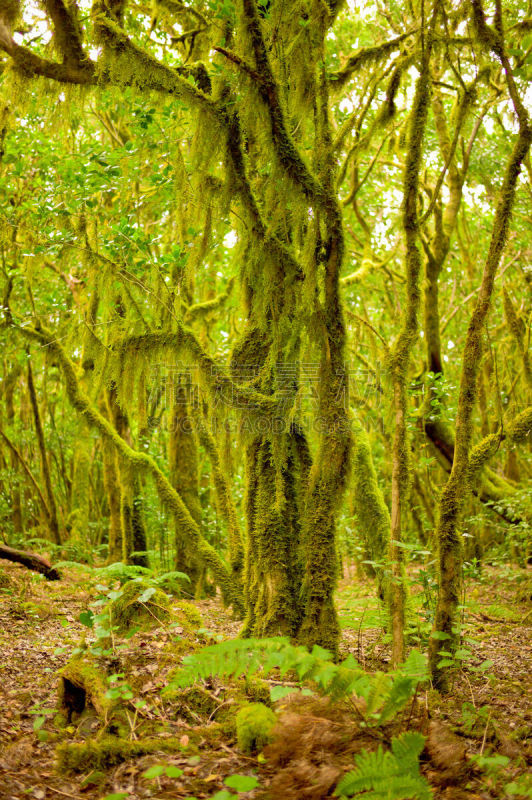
x=388, y=775
x=121, y=572
x=385, y=694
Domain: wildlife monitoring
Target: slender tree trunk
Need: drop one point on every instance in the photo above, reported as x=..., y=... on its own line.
x=112, y=490
x=16, y=503
x=45, y=466
x=400, y=356
x=133, y=533
x=184, y=477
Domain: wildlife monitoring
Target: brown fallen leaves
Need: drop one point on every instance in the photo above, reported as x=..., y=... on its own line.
x=314, y=745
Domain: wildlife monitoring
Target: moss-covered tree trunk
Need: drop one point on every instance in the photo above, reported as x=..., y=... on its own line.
x=10, y=383
x=112, y=490
x=78, y=519
x=53, y=521
x=133, y=532
x=184, y=476
x=400, y=355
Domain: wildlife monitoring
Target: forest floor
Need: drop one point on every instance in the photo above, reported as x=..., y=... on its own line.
x=487, y=714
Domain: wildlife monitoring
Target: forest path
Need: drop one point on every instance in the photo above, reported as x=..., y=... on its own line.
x=37, y=619
x=490, y=710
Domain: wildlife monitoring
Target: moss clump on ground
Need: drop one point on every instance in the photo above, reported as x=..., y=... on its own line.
x=83, y=684
x=6, y=582
x=139, y=604
x=254, y=725
x=109, y=751
x=193, y=703
x=187, y=614
x=257, y=691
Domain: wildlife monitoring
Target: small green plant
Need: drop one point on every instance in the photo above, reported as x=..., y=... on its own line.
x=388, y=775
x=239, y=783
x=119, y=689
x=522, y=787
x=40, y=716
x=471, y=717
x=158, y=770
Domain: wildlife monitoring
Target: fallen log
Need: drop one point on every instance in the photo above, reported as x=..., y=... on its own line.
x=31, y=561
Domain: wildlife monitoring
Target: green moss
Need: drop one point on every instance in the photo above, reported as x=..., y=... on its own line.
x=373, y=517
x=83, y=684
x=190, y=614
x=6, y=582
x=254, y=725
x=108, y=752
x=193, y=702
x=257, y=690
x=128, y=609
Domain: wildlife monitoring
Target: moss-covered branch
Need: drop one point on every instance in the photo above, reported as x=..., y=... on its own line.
x=365, y=56
x=517, y=431
x=200, y=310
x=220, y=385
x=285, y=147
x=67, y=31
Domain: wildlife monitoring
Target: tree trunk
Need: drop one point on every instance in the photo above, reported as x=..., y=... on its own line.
x=45, y=466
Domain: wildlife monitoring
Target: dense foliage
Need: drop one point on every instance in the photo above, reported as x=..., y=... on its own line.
x=266, y=303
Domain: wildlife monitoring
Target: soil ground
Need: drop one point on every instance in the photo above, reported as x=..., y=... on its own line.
x=488, y=712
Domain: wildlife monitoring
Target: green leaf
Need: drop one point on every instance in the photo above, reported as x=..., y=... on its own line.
x=87, y=618
x=173, y=772
x=147, y=594
x=154, y=772
x=242, y=783
x=445, y=662
x=278, y=692
x=116, y=796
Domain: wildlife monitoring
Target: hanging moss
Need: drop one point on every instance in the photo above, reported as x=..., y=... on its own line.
x=138, y=460
x=254, y=726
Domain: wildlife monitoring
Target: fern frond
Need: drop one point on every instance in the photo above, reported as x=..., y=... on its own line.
x=388, y=775
x=385, y=694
